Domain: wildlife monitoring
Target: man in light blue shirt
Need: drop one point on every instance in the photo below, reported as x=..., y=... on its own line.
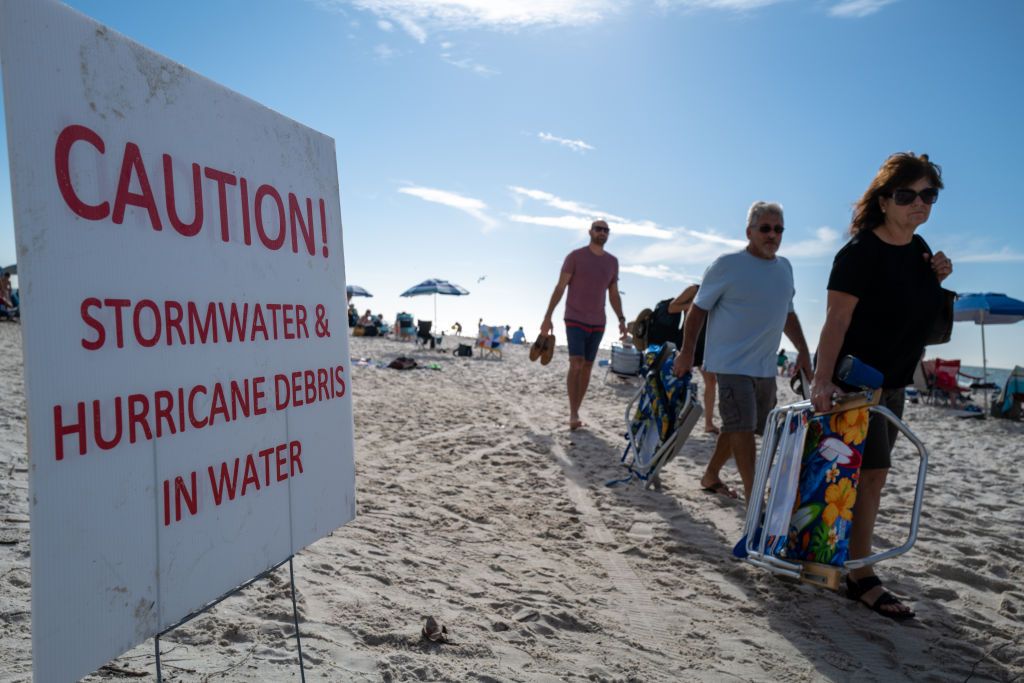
x=747, y=300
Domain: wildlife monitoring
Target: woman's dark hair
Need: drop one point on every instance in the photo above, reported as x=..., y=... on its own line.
x=899, y=170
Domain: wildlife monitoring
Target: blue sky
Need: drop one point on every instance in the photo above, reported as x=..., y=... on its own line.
x=477, y=139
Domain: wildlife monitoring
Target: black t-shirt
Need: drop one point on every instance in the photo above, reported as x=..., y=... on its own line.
x=898, y=298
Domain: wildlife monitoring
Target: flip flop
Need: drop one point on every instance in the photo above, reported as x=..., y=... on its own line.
x=549, y=350
x=434, y=631
x=538, y=347
x=720, y=489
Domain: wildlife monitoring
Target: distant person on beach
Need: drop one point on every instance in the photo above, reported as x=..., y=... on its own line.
x=682, y=304
x=367, y=319
x=883, y=297
x=458, y=329
x=589, y=272
x=8, y=300
x=519, y=337
x=747, y=300
x=353, y=315
x=783, y=362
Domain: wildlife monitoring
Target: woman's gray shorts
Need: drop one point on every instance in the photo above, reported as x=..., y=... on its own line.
x=744, y=402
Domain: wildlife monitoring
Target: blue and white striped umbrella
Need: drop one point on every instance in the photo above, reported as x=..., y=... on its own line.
x=356, y=290
x=987, y=309
x=436, y=286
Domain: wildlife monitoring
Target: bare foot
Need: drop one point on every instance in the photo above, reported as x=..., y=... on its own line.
x=710, y=429
x=576, y=424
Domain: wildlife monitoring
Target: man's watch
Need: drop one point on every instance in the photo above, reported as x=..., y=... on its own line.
x=622, y=318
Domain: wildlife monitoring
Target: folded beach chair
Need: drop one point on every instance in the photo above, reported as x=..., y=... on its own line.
x=490, y=339
x=1009, y=403
x=659, y=418
x=805, y=486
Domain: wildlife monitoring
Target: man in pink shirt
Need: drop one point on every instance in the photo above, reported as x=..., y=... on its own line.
x=588, y=272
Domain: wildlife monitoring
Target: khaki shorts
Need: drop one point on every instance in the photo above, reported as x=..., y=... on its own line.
x=744, y=402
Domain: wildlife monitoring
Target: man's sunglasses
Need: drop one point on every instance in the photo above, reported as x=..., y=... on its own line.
x=904, y=197
x=765, y=229
x=599, y=228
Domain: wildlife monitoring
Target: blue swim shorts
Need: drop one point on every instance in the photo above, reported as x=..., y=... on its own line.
x=583, y=341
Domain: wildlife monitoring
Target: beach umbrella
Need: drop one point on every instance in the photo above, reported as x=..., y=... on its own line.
x=356, y=290
x=435, y=286
x=987, y=309
x=12, y=269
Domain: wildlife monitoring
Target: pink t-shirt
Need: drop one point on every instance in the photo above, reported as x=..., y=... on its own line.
x=591, y=277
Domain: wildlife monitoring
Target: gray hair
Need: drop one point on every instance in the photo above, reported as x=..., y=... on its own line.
x=758, y=209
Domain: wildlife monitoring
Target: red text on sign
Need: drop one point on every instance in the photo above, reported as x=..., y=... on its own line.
x=265, y=209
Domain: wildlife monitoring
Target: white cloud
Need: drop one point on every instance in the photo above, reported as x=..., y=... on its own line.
x=384, y=52
x=574, y=145
x=496, y=14
x=825, y=243
x=474, y=207
x=412, y=28
x=385, y=25
x=1004, y=255
x=469, y=65
x=557, y=202
x=689, y=247
x=729, y=5
x=855, y=9
x=447, y=45
x=584, y=216
x=701, y=247
x=659, y=272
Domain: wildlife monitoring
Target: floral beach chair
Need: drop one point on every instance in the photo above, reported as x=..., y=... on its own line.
x=805, y=487
x=659, y=418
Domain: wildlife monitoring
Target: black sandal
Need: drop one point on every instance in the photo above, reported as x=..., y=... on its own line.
x=855, y=590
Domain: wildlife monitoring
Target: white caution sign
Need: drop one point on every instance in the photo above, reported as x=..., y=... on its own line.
x=184, y=324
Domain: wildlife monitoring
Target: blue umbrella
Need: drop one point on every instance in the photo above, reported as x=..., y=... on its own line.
x=435, y=286
x=987, y=309
x=356, y=290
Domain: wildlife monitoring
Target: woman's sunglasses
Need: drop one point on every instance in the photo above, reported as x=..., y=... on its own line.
x=904, y=197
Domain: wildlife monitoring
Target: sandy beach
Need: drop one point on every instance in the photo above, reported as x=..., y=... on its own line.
x=477, y=506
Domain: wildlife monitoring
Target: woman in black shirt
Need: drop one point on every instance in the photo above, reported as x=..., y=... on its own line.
x=883, y=294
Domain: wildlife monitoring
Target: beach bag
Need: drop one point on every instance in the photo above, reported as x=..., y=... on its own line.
x=942, y=327
x=463, y=351
x=402, y=363
x=664, y=326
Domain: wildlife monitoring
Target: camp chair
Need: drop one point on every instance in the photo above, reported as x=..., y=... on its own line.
x=947, y=386
x=659, y=418
x=490, y=338
x=626, y=362
x=405, y=329
x=922, y=389
x=423, y=334
x=1011, y=398
x=805, y=481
